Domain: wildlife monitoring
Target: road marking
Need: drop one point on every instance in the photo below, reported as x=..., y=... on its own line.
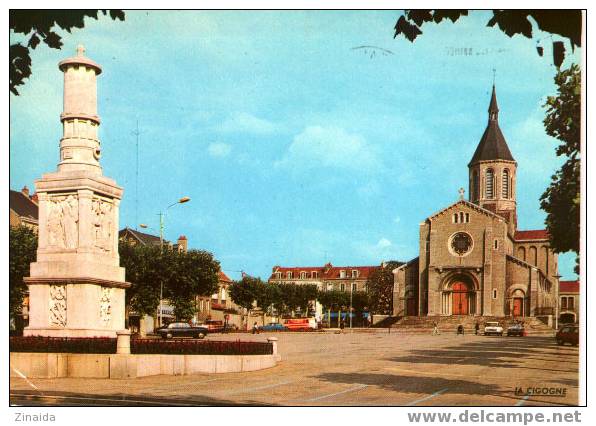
x=26, y=379
x=522, y=401
x=355, y=388
x=19, y=395
x=177, y=385
x=437, y=393
x=258, y=388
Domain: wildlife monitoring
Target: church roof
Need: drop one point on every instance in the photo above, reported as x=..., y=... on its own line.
x=531, y=235
x=569, y=286
x=468, y=204
x=492, y=145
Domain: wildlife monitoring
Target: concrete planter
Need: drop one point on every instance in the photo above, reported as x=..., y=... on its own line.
x=122, y=366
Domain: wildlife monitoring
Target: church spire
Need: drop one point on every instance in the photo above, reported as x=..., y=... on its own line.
x=493, y=108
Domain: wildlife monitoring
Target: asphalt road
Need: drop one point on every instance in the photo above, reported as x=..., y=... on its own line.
x=348, y=369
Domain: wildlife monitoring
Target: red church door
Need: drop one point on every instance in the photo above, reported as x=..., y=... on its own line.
x=460, y=299
x=518, y=307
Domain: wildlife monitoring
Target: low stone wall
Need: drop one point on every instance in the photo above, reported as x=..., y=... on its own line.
x=122, y=366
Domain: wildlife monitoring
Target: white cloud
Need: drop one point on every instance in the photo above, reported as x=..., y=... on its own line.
x=331, y=146
x=242, y=122
x=219, y=149
x=383, y=243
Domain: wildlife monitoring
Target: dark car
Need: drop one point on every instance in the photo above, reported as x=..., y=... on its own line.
x=516, y=330
x=568, y=334
x=182, y=329
x=273, y=326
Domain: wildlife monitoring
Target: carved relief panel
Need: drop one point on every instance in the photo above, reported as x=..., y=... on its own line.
x=63, y=221
x=58, y=305
x=105, y=305
x=103, y=223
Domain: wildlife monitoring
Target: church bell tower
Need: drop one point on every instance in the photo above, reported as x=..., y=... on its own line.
x=492, y=170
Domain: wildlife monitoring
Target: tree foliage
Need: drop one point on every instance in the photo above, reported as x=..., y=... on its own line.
x=22, y=251
x=566, y=23
x=561, y=200
x=43, y=25
x=244, y=293
x=380, y=288
x=184, y=275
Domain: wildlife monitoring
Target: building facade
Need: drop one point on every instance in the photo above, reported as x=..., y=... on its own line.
x=569, y=302
x=472, y=258
x=326, y=278
x=23, y=209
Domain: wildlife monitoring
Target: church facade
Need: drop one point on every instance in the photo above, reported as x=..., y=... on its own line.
x=472, y=258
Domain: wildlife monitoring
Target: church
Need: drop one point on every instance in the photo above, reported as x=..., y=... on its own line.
x=472, y=258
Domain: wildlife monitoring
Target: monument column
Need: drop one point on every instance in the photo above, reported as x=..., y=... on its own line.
x=77, y=286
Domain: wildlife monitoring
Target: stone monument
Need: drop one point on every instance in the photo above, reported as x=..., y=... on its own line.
x=76, y=286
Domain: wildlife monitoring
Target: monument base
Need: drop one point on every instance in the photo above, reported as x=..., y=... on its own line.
x=68, y=332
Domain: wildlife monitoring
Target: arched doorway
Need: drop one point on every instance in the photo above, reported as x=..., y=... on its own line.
x=459, y=297
x=460, y=300
x=518, y=303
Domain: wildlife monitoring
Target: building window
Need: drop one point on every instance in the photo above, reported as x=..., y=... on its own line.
x=354, y=273
x=223, y=294
x=563, y=303
x=342, y=287
x=570, y=302
x=329, y=287
x=314, y=274
x=494, y=293
x=278, y=275
x=506, y=183
x=496, y=244
x=303, y=275
x=461, y=217
x=354, y=287
x=475, y=184
x=490, y=177
x=289, y=275
x=455, y=218
x=342, y=274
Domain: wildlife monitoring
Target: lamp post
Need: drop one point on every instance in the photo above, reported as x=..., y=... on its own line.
x=558, y=277
x=351, y=291
x=162, y=215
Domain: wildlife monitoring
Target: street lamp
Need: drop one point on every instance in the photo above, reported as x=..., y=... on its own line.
x=161, y=233
x=557, y=277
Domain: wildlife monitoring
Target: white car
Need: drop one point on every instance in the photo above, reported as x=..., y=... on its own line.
x=493, y=328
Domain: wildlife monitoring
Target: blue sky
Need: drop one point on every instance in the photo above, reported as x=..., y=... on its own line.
x=295, y=147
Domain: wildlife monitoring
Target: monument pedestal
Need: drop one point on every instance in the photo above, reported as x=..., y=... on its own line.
x=76, y=286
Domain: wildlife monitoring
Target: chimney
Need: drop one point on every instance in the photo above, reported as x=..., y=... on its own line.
x=34, y=198
x=25, y=191
x=182, y=244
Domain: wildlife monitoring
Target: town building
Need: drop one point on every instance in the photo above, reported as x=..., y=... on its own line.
x=23, y=209
x=326, y=278
x=472, y=258
x=568, y=302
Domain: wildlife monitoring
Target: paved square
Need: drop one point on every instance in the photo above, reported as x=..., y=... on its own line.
x=349, y=369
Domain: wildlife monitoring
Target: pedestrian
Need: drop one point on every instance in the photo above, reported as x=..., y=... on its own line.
x=255, y=328
x=460, y=329
x=342, y=324
x=476, y=328
x=436, y=328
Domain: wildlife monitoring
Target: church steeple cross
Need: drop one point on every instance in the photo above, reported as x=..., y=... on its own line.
x=461, y=193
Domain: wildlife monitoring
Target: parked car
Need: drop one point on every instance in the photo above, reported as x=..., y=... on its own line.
x=568, y=334
x=516, y=330
x=182, y=329
x=273, y=326
x=493, y=327
x=301, y=324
